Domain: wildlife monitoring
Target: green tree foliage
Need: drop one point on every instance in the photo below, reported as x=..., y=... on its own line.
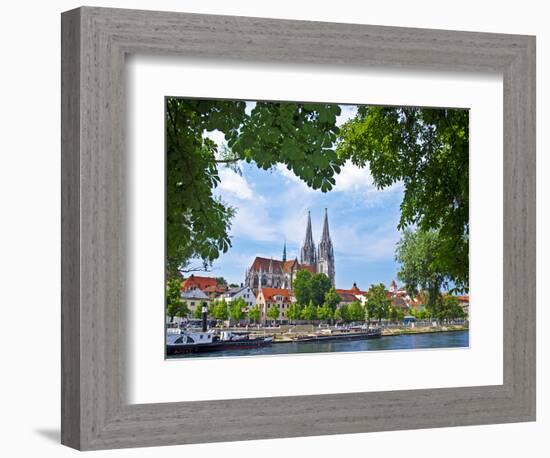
x=254, y=314
x=420, y=268
x=332, y=299
x=310, y=287
x=302, y=286
x=236, y=309
x=427, y=151
x=378, y=304
x=325, y=312
x=342, y=313
x=197, y=313
x=320, y=286
x=309, y=312
x=221, y=310
x=396, y=314
x=173, y=297
x=294, y=311
x=449, y=308
x=183, y=310
x=221, y=281
x=356, y=311
x=299, y=135
x=273, y=312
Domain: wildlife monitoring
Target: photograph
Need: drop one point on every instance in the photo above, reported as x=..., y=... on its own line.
x=299, y=227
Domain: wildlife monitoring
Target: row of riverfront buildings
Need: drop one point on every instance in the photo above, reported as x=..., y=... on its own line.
x=268, y=282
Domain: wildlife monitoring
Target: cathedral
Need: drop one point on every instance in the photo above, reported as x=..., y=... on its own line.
x=274, y=273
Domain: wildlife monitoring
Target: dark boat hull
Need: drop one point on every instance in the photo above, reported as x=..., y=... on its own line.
x=339, y=337
x=178, y=349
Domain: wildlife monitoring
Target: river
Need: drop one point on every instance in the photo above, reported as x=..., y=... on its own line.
x=450, y=339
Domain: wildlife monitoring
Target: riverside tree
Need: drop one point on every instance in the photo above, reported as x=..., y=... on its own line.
x=254, y=314
x=310, y=287
x=449, y=308
x=221, y=311
x=325, y=313
x=273, y=313
x=332, y=299
x=309, y=312
x=236, y=309
x=356, y=311
x=197, y=313
x=378, y=304
x=294, y=311
x=173, y=297
x=420, y=268
x=427, y=151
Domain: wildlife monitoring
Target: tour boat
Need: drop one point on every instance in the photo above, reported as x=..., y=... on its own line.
x=208, y=341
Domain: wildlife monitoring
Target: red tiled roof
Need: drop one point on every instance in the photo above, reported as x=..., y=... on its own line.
x=354, y=290
x=288, y=266
x=347, y=297
x=278, y=266
x=263, y=264
x=465, y=298
x=268, y=293
x=215, y=289
x=195, y=281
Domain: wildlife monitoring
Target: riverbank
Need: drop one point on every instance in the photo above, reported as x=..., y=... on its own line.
x=450, y=338
x=294, y=333
x=422, y=330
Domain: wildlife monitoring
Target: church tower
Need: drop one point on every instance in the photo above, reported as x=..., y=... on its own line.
x=325, y=256
x=308, y=255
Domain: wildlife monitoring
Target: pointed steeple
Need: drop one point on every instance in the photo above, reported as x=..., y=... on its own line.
x=309, y=233
x=308, y=254
x=284, y=252
x=326, y=233
x=325, y=253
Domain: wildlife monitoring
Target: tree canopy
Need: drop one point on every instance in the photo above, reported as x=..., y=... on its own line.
x=425, y=149
x=312, y=288
x=299, y=135
x=378, y=305
x=420, y=269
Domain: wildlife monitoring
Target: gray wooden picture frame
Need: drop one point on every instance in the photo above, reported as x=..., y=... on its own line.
x=95, y=411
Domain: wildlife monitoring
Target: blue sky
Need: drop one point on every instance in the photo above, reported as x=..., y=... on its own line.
x=272, y=207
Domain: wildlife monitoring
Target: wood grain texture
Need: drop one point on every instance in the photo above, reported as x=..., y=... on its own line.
x=95, y=410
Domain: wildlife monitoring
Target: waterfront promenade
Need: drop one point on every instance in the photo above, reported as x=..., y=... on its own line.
x=290, y=333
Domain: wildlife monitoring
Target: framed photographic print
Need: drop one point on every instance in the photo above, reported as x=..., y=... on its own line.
x=310, y=212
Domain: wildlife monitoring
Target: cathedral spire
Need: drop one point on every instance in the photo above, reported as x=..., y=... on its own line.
x=309, y=233
x=284, y=252
x=308, y=255
x=325, y=254
x=326, y=233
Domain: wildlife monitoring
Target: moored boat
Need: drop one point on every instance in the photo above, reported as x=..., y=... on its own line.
x=332, y=337
x=195, y=342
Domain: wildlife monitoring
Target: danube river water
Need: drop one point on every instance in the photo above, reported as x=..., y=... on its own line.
x=450, y=339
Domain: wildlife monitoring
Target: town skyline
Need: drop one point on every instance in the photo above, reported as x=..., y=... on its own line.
x=363, y=222
x=272, y=208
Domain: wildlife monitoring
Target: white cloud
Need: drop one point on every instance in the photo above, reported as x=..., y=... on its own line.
x=376, y=244
x=353, y=178
x=253, y=221
x=233, y=183
x=216, y=136
x=348, y=112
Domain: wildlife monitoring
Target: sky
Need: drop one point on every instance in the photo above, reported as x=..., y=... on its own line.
x=272, y=207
